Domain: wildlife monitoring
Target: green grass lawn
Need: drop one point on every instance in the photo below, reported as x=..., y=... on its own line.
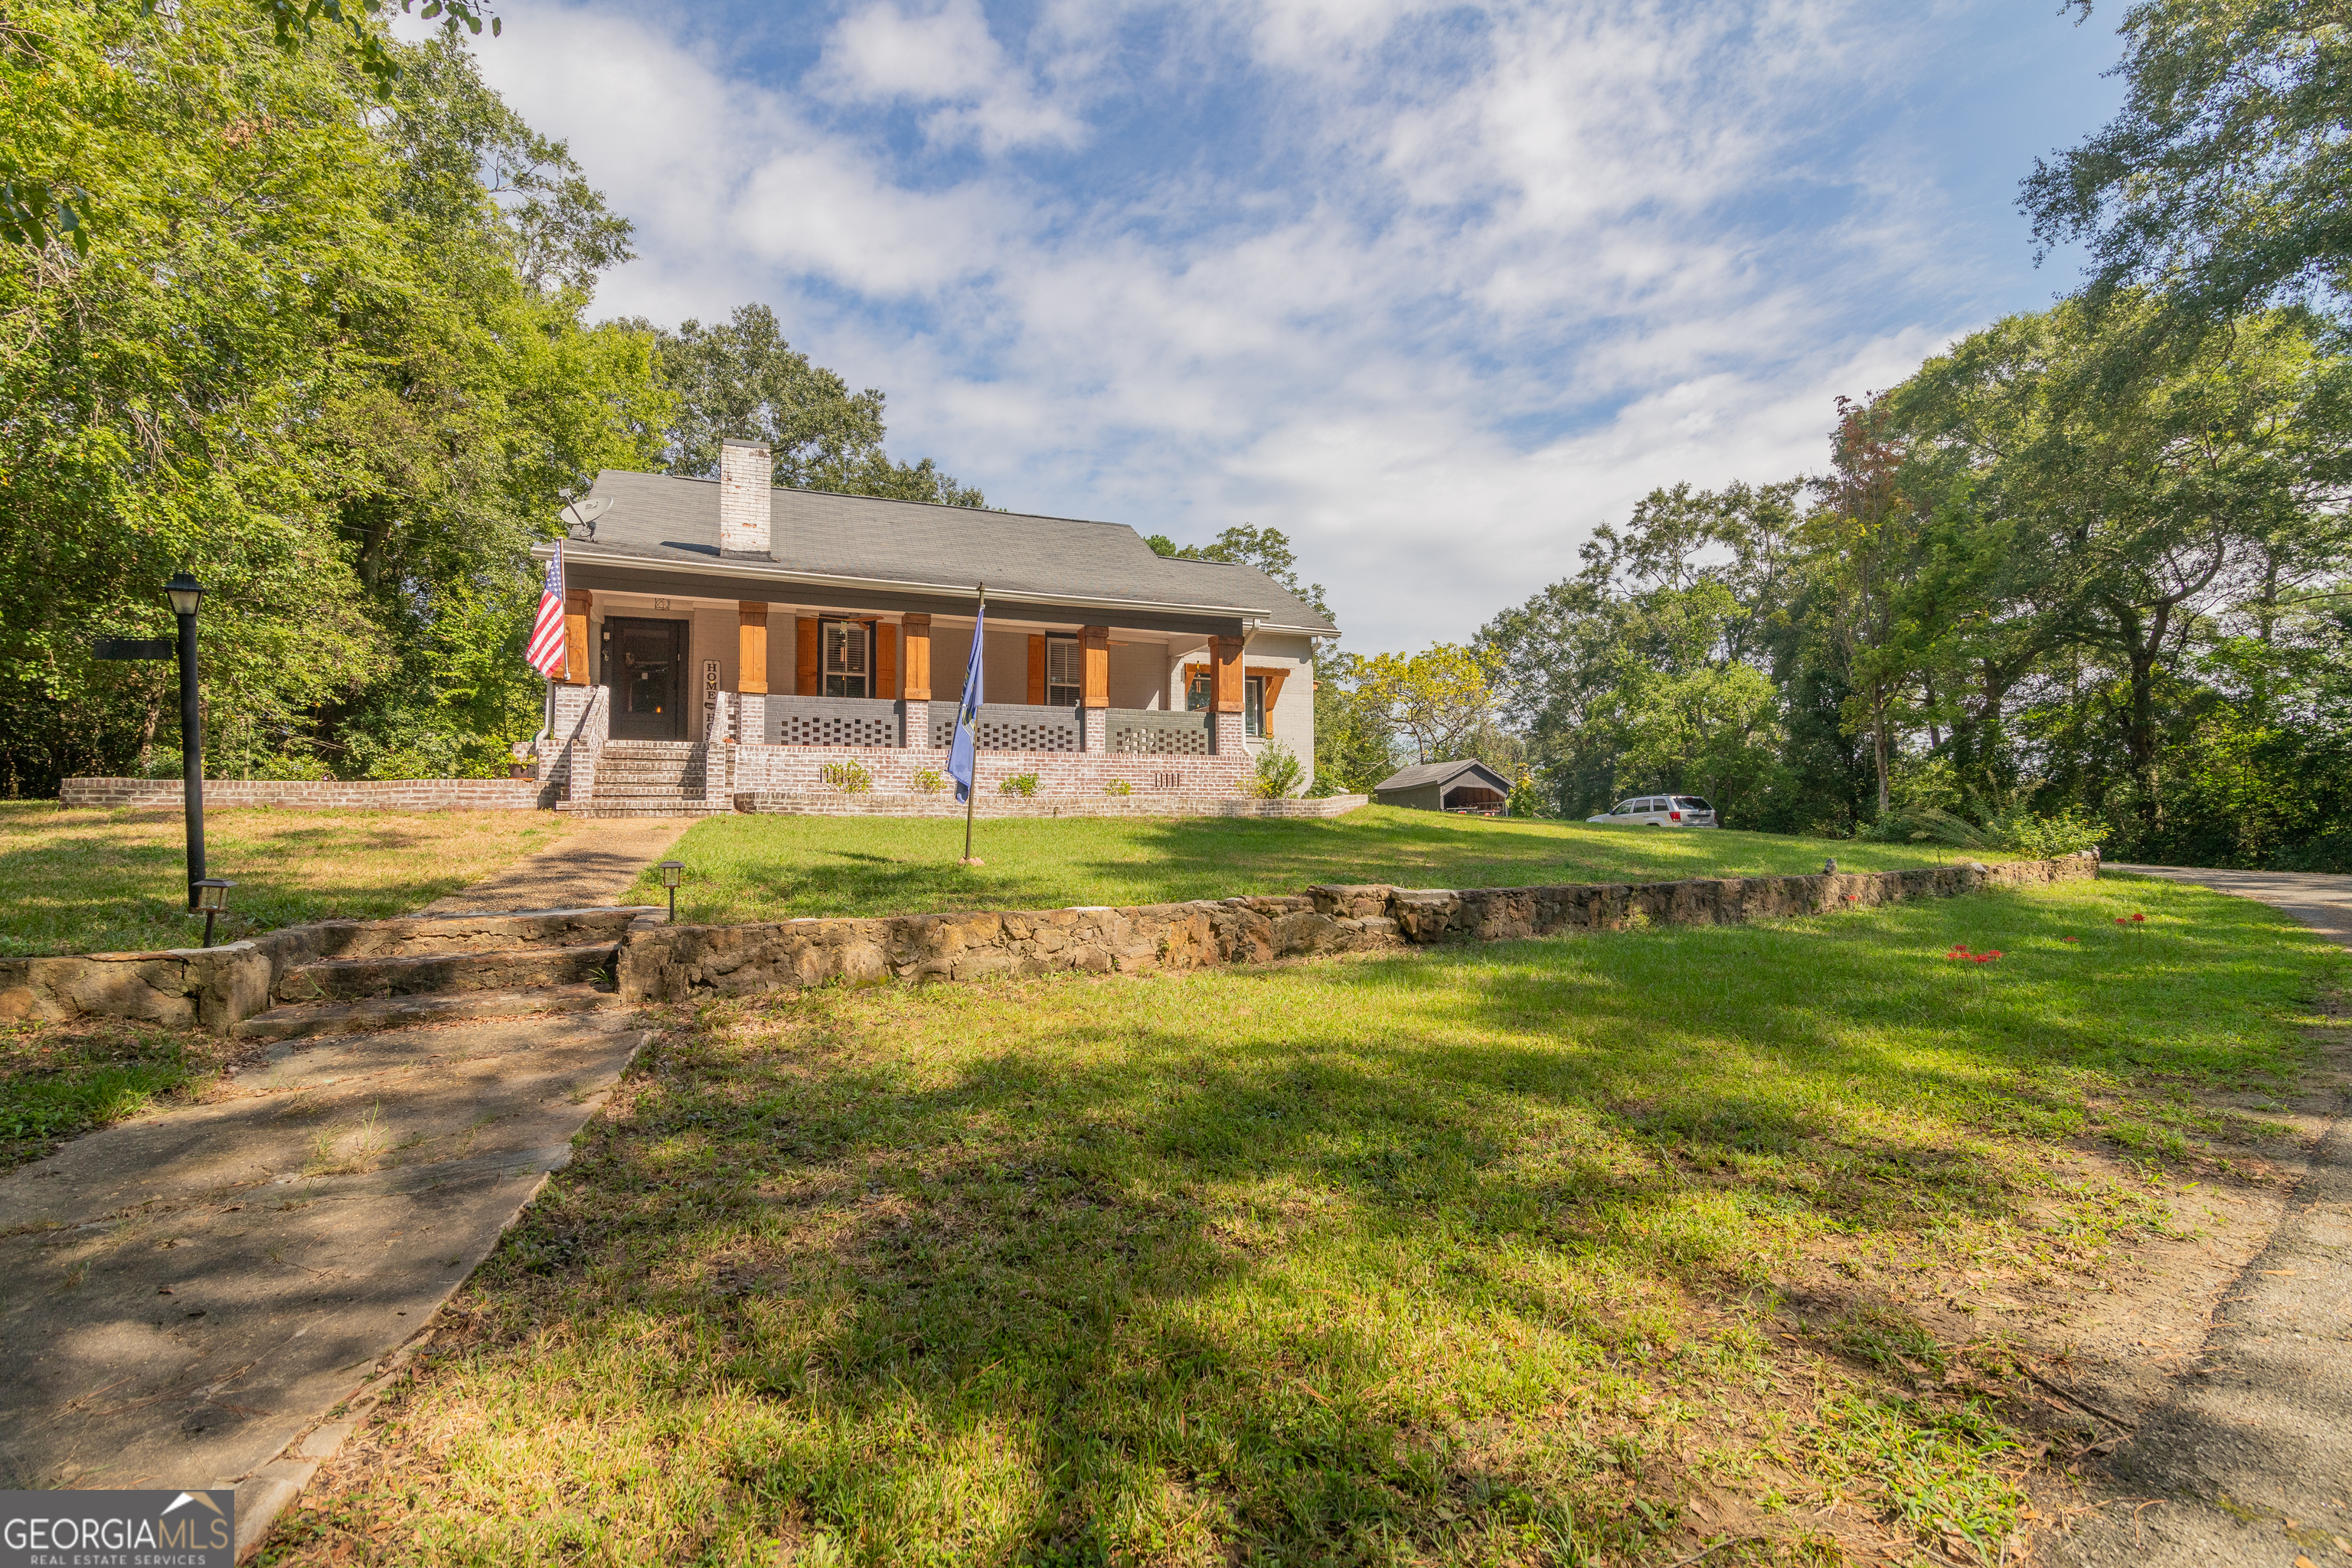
x=58, y=1081
x=1515, y=1254
x=776, y=868
x=99, y=881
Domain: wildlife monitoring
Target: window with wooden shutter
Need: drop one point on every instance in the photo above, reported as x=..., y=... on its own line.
x=849, y=653
x=1066, y=672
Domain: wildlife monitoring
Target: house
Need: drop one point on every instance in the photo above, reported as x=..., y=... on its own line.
x=726, y=639
x=1466, y=785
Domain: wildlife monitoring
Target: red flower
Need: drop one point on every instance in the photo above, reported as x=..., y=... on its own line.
x=2067, y=939
x=2137, y=917
x=2120, y=921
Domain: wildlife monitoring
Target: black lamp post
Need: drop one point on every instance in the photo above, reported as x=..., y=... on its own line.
x=672, y=872
x=212, y=897
x=185, y=594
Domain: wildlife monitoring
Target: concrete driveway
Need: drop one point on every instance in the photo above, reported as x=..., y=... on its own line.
x=2250, y=1460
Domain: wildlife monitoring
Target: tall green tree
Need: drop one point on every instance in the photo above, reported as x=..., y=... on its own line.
x=740, y=378
x=2221, y=180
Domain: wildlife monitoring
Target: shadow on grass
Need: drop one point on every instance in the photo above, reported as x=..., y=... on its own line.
x=1357, y=1262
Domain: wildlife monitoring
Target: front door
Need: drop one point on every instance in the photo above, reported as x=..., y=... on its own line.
x=644, y=665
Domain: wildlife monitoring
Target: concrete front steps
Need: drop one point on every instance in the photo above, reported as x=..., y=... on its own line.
x=648, y=778
x=431, y=968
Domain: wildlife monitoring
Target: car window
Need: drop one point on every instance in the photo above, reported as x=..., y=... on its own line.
x=1624, y=808
x=1692, y=803
x=1654, y=804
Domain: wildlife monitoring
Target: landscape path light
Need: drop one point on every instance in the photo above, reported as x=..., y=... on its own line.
x=212, y=897
x=672, y=872
x=185, y=594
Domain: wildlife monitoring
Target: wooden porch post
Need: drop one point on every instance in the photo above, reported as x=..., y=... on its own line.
x=1227, y=690
x=919, y=657
x=577, y=602
x=1096, y=641
x=752, y=647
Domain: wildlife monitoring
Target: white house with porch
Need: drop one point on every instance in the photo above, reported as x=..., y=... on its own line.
x=727, y=641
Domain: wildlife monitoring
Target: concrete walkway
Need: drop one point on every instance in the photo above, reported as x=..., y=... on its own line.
x=2250, y=1460
x=184, y=1299
x=593, y=865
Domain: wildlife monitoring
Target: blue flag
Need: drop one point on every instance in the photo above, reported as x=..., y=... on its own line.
x=967, y=725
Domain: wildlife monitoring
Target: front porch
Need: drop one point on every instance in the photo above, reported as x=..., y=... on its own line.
x=682, y=719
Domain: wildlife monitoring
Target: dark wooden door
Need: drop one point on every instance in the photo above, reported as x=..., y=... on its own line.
x=644, y=665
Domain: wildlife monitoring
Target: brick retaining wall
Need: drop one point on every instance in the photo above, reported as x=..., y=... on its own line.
x=378, y=795
x=799, y=771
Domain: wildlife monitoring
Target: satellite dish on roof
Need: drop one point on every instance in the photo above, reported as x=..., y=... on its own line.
x=580, y=517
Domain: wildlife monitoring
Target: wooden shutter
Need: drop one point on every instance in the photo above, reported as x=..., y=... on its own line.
x=1037, y=671
x=806, y=678
x=886, y=659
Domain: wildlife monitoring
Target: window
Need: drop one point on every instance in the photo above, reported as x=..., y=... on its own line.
x=1200, y=692
x=1253, y=708
x=1065, y=671
x=848, y=652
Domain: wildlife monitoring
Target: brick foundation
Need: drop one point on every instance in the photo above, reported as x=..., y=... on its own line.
x=833, y=803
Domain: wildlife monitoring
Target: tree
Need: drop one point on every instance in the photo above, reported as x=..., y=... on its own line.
x=1267, y=549
x=300, y=358
x=2221, y=181
x=1865, y=538
x=1439, y=698
x=739, y=378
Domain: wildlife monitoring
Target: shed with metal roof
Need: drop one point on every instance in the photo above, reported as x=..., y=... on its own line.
x=1466, y=784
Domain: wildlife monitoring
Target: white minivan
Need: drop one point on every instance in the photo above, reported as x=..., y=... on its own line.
x=1659, y=811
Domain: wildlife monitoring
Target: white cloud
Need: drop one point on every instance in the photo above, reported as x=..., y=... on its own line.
x=946, y=59
x=1463, y=286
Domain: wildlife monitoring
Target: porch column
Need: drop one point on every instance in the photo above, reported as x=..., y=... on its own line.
x=577, y=603
x=1226, y=700
x=1094, y=700
x=917, y=678
x=750, y=671
x=1227, y=689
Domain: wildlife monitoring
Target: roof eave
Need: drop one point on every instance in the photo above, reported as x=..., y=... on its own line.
x=697, y=567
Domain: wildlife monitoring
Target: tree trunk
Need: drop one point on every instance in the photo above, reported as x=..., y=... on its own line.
x=1878, y=739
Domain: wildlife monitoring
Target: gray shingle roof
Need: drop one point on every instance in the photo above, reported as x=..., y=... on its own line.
x=1422, y=774
x=657, y=518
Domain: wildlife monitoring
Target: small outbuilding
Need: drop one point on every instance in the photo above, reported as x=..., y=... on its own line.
x=1466, y=785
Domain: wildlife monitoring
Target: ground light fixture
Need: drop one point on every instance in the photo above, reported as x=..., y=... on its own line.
x=185, y=594
x=672, y=872
x=212, y=897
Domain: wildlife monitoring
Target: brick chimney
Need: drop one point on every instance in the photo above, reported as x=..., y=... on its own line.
x=745, y=480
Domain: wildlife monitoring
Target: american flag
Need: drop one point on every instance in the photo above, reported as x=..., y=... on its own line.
x=544, y=652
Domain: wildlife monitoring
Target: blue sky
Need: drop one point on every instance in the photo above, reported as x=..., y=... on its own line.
x=1434, y=289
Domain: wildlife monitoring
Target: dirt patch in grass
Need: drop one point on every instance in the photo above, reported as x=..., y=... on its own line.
x=1796, y=1240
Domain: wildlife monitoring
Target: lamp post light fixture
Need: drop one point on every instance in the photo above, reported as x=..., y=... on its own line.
x=185, y=594
x=212, y=897
x=672, y=872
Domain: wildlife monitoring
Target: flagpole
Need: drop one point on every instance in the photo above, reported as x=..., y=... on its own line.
x=970, y=794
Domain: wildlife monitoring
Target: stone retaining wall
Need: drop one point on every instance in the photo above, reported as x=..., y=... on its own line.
x=833, y=802
x=378, y=795
x=215, y=988
x=666, y=963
